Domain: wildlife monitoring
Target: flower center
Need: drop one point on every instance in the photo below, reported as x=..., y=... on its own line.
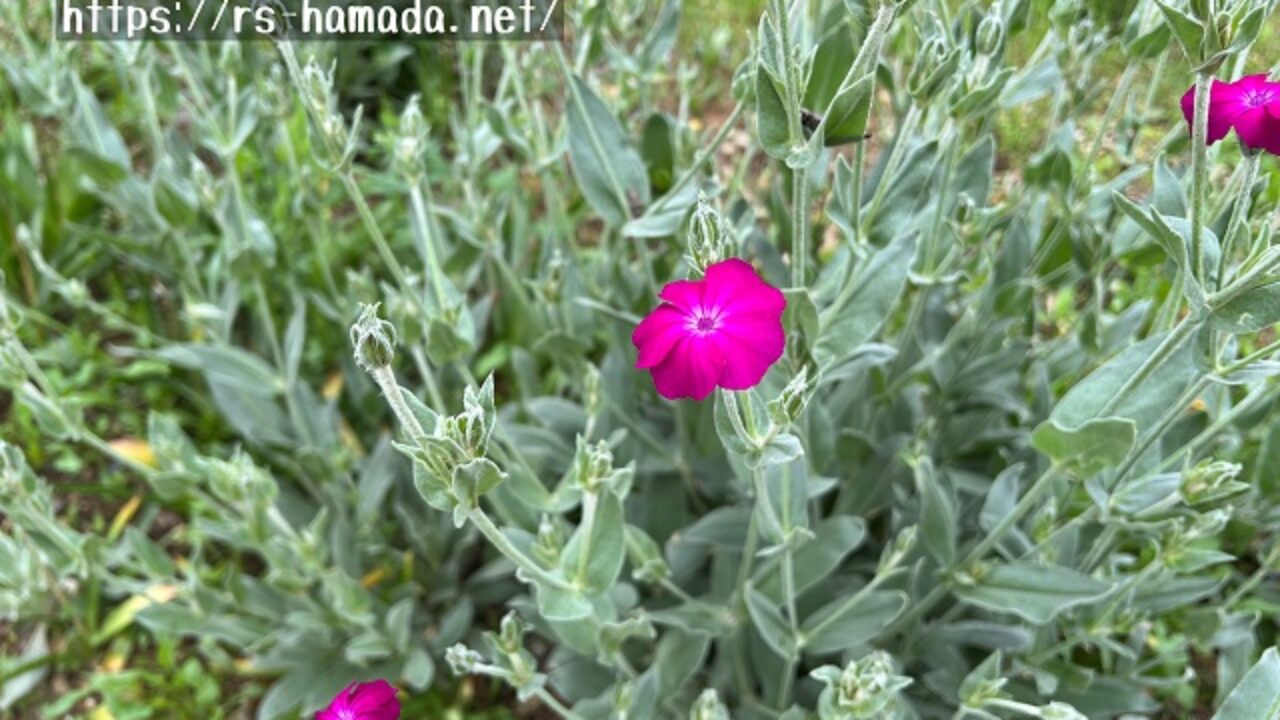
x=704, y=320
x=1258, y=98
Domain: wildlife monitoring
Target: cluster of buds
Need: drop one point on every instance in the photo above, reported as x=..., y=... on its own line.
x=410, y=143
x=711, y=238
x=549, y=542
x=592, y=465
x=318, y=95
x=451, y=469
x=935, y=65
x=511, y=662
x=786, y=409
x=866, y=688
x=1211, y=482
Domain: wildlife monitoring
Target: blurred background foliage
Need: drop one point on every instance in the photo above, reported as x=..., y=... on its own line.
x=202, y=512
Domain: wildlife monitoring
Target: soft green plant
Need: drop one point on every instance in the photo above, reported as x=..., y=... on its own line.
x=1013, y=463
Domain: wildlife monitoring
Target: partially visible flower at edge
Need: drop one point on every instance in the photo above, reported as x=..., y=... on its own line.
x=363, y=701
x=1250, y=105
x=722, y=331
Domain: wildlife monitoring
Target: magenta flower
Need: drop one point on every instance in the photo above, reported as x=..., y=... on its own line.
x=1251, y=105
x=724, y=330
x=363, y=701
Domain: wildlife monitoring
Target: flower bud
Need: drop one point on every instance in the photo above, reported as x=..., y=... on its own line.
x=902, y=546
x=511, y=633
x=1211, y=481
x=990, y=34
x=646, y=557
x=374, y=339
x=710, y=237
x=462, y=659
x=411, y=142
x=709, y=707
x=866, y=688
x=591, y=396
x=592, y=464
x=549, y=542
x=785, y=409
x=934, y=67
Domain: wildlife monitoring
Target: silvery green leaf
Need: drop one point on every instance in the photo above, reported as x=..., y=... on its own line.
x=850, y=621
x=772, y=123
x=1189, y=32
x=1002, y=496
x=864, y=302
x=1254, y=309
x=783, y=505
x=1094, y=445
x=665, y=216
x=1143, y=496
x=833, y=540
x=845, y=120
x=418, y=669
x=938, y=521
x=561, y=605
x=1167, y=591
x=593, y=560
x=230, y=366
x=767, y=619
x=781, y=450
x=609, y=174
x=1257, y=696
x=1036, y=593
x=15, y=686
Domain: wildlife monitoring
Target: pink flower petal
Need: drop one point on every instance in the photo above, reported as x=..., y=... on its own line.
x=657, y=334
x=363, y=701
x=751, y=345
x=376, y=701
x=684, y=294
x=734, y=285
x=1254, y=127
x=691, y=370
x=1224, y=103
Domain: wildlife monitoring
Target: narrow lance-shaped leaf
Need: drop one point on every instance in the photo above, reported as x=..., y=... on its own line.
x=612, y=178
x=1036, y=593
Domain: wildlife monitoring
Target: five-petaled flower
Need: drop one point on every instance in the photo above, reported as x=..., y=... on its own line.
x=724, y=330
x=1250, y=105
x=363, y=701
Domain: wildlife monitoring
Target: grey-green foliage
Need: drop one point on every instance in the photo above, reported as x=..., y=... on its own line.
x=1014, y=461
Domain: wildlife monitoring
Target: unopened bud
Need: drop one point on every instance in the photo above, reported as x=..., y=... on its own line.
x=902, y=546
x=710, y=237
x=1211, y=481
x=990, y=34
x=934, y=66
x=511, y=633
x=548, y=542
x=790, y=403
x=709, y=707
x=411, y=141
x=462, y=659
x=374, y=339
x=866, y=688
